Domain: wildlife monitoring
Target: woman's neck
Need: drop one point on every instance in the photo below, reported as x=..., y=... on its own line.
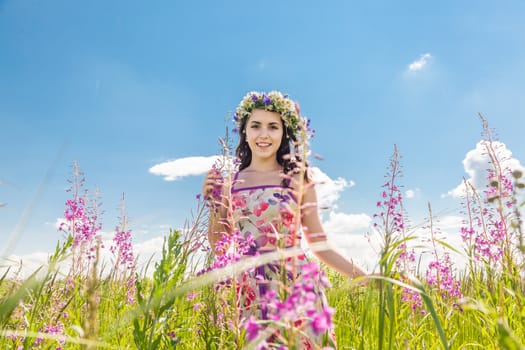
x=264, y=166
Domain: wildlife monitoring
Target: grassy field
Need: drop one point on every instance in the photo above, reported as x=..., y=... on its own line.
x=183, y=305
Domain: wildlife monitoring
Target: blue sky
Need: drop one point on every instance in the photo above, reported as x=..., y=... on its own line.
x=123, y=86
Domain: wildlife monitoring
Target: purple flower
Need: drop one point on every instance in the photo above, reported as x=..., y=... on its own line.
x=252, y=327
x=322, y=321
x=81, y=221
x=439, y=274
x=310, y=270
x=122, y=248
x=413, y=298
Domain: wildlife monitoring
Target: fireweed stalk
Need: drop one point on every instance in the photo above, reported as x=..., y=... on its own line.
x=488, y=234
x=122, y=249
x=493, y=285
x=501, y=193
x=389, y=222
x=81, y=223
x=440, y=271
x=398, y=262
x=83, y=226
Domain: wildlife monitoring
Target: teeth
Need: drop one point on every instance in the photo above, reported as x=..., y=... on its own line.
x=263, y=144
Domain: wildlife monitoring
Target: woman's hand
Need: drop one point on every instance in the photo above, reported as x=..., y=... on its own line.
x=212, y=186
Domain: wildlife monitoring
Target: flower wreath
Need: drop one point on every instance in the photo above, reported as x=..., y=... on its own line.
x=274, y=101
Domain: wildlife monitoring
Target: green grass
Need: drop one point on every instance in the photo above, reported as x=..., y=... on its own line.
x=490, y=316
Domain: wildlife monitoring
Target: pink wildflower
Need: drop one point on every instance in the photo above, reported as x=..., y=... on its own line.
x=322, y=321
x=252, y=327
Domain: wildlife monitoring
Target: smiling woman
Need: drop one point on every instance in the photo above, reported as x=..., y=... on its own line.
x=269, y=205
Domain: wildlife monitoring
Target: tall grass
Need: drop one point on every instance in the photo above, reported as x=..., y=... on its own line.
x=72, y=303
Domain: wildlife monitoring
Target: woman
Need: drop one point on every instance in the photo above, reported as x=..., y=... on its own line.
x=272, y=201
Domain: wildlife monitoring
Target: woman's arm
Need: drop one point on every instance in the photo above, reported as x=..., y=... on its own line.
x=314, y=233
x=214, y=192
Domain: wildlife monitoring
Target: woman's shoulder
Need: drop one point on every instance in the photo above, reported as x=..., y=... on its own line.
x=300, y=178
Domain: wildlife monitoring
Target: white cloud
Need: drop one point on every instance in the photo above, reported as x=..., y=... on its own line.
x=448, y=230
x=357, y=248
x=328, y=190
x=23, y=266
x=147, y=252
x=58, y=223
x=412, y=193
x=420, y=63
x=477, y=161
x=174, y=170
x=346, y=232
x=347, y=223
x=450, y=223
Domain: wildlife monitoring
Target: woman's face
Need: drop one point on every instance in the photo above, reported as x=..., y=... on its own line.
x=264, y=132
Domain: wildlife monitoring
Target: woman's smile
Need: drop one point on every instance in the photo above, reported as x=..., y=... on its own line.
x=263, y=145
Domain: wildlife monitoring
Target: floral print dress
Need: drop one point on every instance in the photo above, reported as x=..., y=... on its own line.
x=266, y=214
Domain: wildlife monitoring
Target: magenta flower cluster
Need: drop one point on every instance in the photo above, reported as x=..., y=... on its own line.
x=413, y=298
x=53, y=329
x=440, y=274
x=299, y=308
x=486, y=231
x=122, y=248
x=486, y=243
x=82, y=222
x=501, y=186
x=391, y=218
x=229, y=249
